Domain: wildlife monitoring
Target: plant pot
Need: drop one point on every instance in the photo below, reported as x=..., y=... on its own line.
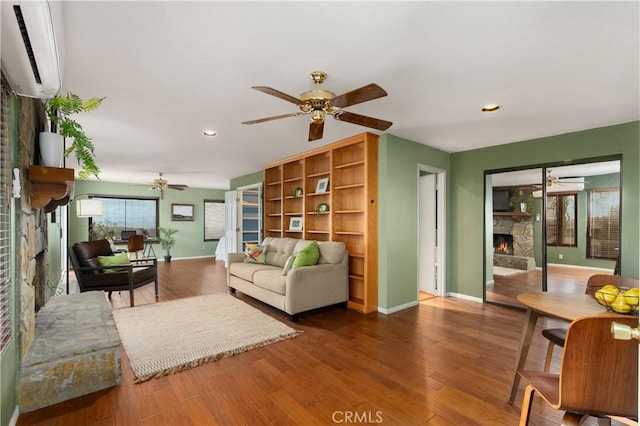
x=523, y=207
x=167, y=259
x=51, y=149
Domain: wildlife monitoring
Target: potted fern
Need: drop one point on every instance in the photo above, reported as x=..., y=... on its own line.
x=167, y=240
x=523, y=200
x=59, y=109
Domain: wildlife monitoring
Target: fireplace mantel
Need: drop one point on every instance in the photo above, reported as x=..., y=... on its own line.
x=50, y=186
x=517, y=216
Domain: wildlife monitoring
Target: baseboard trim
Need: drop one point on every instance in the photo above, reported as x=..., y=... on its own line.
x=465, y=297
x=173, y=259
x=591, y=268
x=398, y=308
x=14, y=418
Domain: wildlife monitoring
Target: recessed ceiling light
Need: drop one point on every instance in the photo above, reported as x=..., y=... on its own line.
x=209, y=133
x=490, y=108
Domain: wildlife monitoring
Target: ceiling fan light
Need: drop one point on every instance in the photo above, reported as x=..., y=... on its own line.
x=317, y=115
x=490, y=108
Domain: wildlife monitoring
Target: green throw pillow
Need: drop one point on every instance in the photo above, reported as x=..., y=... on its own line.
x=119, y=259
x=307, y=256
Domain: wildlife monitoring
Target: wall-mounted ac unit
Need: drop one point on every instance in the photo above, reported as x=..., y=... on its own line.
x=32, y=46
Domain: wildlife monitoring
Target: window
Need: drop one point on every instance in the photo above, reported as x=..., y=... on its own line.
x=561, y=220
x=213, y=220
x=5, y=231
x=603, y=223
x=123, y=216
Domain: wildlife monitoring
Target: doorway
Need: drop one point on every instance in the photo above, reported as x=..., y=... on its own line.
x=431, y=231
x=572, y=224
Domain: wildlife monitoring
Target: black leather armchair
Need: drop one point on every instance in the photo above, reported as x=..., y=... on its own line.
x=91, y=276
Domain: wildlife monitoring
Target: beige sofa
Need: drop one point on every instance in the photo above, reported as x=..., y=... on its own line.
x=303, y=288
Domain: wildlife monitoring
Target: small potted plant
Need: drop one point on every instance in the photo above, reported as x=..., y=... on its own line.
x=322, y=208
x=167, y=240
x=59, y=109
x=522, y=200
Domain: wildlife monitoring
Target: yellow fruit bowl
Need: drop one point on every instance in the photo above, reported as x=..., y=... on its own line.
x=618, y=299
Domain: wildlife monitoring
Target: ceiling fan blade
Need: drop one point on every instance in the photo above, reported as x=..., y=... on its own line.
x=276, y=117
x=277, y=94
x=316, y=129
x=363, y=120
x=363, y=94
x=178, y=187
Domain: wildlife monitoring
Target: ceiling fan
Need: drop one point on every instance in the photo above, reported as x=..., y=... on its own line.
x=319, y=103
x=163, y=184
x=557, y=183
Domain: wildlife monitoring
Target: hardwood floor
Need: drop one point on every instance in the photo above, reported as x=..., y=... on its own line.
x=560, y=279
x=447, y=361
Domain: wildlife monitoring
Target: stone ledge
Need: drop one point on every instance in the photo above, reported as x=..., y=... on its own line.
x=76, y=351
x=514, y=262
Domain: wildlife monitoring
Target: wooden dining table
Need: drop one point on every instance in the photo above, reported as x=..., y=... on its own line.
x=563, y=306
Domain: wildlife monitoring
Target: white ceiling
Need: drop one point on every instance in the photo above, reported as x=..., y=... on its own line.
x=171, y=69
x=534, y=176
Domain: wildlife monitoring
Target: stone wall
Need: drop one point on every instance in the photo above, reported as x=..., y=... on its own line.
x=31, y=241
x=522, y=231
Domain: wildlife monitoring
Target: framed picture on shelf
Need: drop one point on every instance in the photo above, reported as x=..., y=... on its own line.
x=182, y=212
x=295, y=224
x=322, y=185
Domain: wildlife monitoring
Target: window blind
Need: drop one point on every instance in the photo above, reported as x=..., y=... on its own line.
x=213, y=220
x=603, y=223
x=5, y=200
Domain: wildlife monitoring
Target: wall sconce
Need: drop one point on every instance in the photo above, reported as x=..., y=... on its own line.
x=89, y=208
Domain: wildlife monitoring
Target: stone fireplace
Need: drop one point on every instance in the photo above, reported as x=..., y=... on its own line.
x=31, y=240
x=513, y=242
x=71, y=347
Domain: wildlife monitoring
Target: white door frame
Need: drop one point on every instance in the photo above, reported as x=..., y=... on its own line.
x=441, y=197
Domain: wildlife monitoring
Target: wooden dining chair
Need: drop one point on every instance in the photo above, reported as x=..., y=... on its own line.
x=135, y=243
x=556, y=336
x=598, y=376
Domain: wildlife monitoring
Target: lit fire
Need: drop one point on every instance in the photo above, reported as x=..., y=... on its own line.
x=502, y=247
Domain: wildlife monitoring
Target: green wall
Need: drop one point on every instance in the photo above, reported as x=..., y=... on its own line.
x=245, y=180
x=190, y=236
x=398, y=162
x=466, y=202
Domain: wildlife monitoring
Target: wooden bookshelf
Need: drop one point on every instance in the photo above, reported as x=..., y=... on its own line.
x=350, y=165
x=272, y=187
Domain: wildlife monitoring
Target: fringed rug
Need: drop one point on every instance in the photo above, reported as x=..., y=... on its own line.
x=167, y=337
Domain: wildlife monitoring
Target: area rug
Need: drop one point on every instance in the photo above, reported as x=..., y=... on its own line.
x=164, y=338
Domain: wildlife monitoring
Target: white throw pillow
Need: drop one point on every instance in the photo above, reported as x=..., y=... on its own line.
x=288, y=264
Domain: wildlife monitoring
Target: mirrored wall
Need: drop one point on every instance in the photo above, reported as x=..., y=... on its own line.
x=549, y=228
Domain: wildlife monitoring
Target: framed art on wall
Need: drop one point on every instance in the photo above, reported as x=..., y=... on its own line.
x=182, y=212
